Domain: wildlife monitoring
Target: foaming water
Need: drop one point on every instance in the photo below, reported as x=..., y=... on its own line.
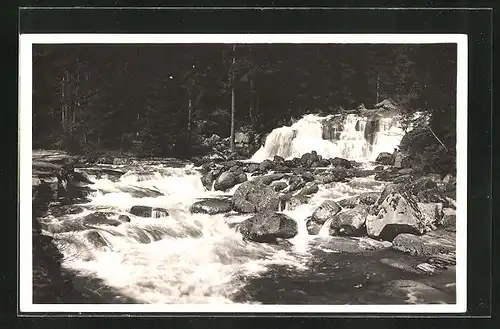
x=199, y=258
x=352, y=136
x=182, y=258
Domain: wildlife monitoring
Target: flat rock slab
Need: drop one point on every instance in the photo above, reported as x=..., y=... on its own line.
x=433, y=243
x=350, y=245
x=417, y=292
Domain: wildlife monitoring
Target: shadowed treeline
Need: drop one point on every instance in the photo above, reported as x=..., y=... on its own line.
x=162, y=100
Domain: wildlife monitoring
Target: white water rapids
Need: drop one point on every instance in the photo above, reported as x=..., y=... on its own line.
x=199, y=258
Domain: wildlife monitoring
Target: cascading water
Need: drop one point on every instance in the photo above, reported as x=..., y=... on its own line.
x=351, y=136
x=199, y=258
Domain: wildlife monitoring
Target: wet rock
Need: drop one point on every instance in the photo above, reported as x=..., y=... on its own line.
x=124, y=218
x=293, y=202
x=430, y=244
x=207, y=180
x=327, y=210
x=349, y=222
x=228, y=180
x=416, y=292
x=252, y=196
x=234, y=168
x=268, y=179
x=99, y=218
x=313, y=227
x=385, y=158
x=60, y=210
x=309, y=188
x=350, y=202
x=212, y=206
x=96, y=239
x=268, y=227
x=296, y=183
x=397, y=214
x=279, y=186
x=266, y=165
x=253, y=167
x=379, y=168
x=139, y=192
x=307, y=176
x=449, y=218
x=308, y=159
x=340, y=162
x=278, y=160
x=368, y=198
x=394, y=263
x=147, y=211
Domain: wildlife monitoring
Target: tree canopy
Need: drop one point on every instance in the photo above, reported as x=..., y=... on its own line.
x=157, y=99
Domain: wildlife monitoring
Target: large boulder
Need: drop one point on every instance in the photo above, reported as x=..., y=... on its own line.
x=279, y=186
x=229, y=179
x=292, y=202
x=309, y=188
x=449, y=219
x=432, y=243
x=266, y=165
x=147, y=211
x=308, y=159
x=252, y=167
x=212, y=206
x=340, y=162
x=313, y=227
x=385, y=158
x=307, y=176
x=100, y=218
x=349, y=202
x=253, y=196
x=431, y=213
x=208, y=180
x=368, y=198
x=327, y=210
x=350, y=222
x=397, y=213
x=268, y=179
x=268, y=226
x=278, y=160
x=296, y=182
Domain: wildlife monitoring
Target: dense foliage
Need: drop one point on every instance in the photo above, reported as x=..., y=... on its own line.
x=161, y=99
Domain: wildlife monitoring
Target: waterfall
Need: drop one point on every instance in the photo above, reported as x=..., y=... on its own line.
x=350, y=136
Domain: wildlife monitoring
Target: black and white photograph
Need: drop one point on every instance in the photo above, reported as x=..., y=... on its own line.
x=214, y=173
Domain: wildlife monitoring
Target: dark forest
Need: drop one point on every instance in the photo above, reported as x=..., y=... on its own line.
x=162, y=100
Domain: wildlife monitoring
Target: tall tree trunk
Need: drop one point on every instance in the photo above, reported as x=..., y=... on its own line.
x=378, y=89
x=250, y=108
x=63, y=104
x=232, y=100
x=190, y=113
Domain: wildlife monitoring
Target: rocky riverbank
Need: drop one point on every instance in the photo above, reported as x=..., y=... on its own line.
x=58, y=189
x=414, y=213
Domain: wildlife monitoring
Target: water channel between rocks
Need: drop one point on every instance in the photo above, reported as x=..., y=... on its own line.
x=177, y=256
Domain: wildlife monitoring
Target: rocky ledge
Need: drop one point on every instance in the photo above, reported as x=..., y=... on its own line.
x=414, y=213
